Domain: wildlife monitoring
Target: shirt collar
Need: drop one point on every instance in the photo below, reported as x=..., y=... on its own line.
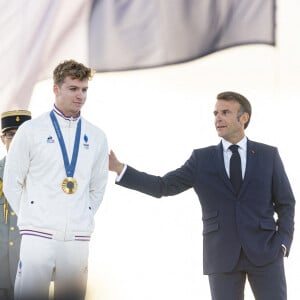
x=242, y=144
x=60, y=113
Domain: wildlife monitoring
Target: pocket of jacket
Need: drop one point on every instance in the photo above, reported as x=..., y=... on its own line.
x=210, y=223
x=268, y=225
x=209, y=215
x=207, y=228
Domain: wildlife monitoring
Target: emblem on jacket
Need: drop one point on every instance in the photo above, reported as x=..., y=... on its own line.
x=50, y=139
x=86, y=145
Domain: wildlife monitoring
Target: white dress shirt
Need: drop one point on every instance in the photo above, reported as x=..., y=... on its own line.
x=242, y=151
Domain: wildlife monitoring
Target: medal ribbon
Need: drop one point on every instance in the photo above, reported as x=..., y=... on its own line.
x=70, y=168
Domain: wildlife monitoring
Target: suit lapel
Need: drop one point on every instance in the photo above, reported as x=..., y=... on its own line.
x=250, y=165
x=221, y=166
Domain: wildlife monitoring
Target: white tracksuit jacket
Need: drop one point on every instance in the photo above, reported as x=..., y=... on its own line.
x=35, y=170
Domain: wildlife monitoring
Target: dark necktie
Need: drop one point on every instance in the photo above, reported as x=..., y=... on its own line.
x=235, y=169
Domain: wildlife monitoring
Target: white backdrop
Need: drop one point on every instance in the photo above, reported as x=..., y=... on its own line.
x=151, y=249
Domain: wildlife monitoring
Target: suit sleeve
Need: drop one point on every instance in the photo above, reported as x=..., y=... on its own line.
x=170, y=184
x=284, y=202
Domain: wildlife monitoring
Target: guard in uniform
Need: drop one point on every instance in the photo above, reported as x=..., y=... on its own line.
x=9, y=233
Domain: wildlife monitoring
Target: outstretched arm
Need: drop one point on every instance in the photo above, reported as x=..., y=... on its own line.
x=172, y=183
x=114, y=164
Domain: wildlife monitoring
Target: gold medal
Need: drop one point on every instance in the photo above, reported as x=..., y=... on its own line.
x=69, y=185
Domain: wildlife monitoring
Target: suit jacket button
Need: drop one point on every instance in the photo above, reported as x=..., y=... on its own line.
x=11, y=244
x=12, y=228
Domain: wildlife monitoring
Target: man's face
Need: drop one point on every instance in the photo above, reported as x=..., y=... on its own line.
x=228, y=125
x=71, y=95
x=7, y=137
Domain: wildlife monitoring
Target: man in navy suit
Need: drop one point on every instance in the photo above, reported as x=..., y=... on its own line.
x=246, y=230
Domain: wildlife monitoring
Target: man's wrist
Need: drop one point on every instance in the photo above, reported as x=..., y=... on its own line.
x=284, y=250
x=120, y=175
x=120, y=169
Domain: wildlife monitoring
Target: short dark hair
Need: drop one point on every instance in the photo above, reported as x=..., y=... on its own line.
x=242, y=100
x=73, y=69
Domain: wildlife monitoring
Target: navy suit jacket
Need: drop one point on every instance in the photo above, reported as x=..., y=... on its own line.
x=259, y=219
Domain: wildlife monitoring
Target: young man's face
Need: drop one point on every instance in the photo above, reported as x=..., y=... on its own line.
x=71, y=95
x=228, y=125
x=7, y=137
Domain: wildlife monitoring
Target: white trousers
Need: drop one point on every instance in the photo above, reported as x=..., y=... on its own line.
x=41, y=258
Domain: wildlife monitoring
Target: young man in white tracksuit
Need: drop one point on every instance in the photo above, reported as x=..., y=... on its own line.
x=55, y=177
